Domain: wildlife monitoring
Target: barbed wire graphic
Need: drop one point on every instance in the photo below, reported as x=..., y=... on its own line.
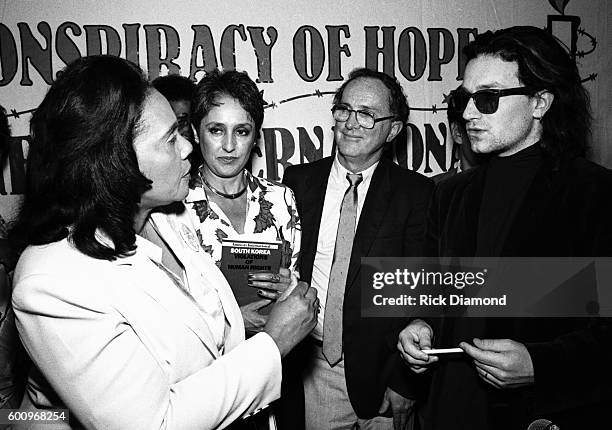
x=271, y=105
x=14, y=113
x=318, y=93
x=582, y=32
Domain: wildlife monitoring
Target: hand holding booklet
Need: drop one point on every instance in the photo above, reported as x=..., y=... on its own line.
x=241, y=257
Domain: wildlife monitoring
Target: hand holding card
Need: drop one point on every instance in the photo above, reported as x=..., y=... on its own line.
x=442, y=351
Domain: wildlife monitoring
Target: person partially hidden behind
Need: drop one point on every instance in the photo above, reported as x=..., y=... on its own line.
x=126, y=332
x=537, y=196
x=179, y=91
x=356, y=204
x=12, y=356
x=462, y=156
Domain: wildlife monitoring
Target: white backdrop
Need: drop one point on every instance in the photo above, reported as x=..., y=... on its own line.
x=298, y=52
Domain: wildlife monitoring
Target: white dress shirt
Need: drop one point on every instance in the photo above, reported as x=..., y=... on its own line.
x=337, y=185
x=203, y=293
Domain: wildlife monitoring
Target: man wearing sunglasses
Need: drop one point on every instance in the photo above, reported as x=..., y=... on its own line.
x=524, y=106
x=357, y=204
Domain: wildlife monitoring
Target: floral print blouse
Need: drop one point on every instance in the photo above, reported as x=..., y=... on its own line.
x=271, y=216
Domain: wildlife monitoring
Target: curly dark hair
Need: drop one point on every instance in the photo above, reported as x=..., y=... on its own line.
x=235, y=84
x=397, y=100
x=543, y=63
x=82, y=171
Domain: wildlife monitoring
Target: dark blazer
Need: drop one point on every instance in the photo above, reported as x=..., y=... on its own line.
x=565, y=213
x=392, y=224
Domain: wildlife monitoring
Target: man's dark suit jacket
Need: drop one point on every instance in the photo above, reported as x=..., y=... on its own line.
x=565, y=213
x=392, y=224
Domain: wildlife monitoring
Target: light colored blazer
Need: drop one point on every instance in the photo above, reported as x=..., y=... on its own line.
x=122, y=347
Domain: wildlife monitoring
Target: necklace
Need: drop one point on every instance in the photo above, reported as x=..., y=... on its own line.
x=222, y=194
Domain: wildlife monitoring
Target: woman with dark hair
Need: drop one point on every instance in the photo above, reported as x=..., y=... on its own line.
x=225, y=200
x=128, y=332
x=227, y=203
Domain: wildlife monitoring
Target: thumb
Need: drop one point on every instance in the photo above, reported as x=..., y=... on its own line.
x=385, y=405
x=258, y=304
x=486, y=344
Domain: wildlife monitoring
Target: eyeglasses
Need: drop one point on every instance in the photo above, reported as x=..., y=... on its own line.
x=364, y=118
x=486, y=101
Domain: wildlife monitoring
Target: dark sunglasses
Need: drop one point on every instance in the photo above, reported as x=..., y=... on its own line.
x=486, y=101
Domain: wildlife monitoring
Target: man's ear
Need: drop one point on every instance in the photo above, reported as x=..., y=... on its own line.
x=396, y=127
x=544, y=100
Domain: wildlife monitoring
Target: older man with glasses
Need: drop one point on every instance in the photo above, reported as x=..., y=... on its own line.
x=356, y=204
x=524, y=105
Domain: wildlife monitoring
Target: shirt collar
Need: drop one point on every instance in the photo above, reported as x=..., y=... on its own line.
x=196, y=189
x=197, y=193
x=149, y=249
x=339, y=172
x=145, y=248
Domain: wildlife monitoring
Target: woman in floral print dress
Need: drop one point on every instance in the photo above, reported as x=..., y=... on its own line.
x=225, y=200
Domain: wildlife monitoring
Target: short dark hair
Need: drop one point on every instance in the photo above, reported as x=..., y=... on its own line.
x=174, y=87
x=82, y=171
x=235, y=84
x=398, y=105
x=5, y=134
x=543, y=63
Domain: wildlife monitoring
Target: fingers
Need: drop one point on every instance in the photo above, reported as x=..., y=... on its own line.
x=489, y=377
x=258, y=304
x=267, y=277
x=489, y=364
x=313, y=301
x=385, y=405
x=317, y=307
x=484, y=356
x=275, y=282
x=400, y=420
x=271, y=285
x=253, y=320
x=412, y=340
x=271, y=295
x=284, y=272
x=310, y=293
x=495, y=345
x=418, y=360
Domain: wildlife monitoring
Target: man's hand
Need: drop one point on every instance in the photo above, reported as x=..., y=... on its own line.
x=502, y=363
x=416, y=336
x=254, y=322
x=401, y=407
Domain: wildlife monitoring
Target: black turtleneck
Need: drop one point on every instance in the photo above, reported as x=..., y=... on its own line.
x=506, y=183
